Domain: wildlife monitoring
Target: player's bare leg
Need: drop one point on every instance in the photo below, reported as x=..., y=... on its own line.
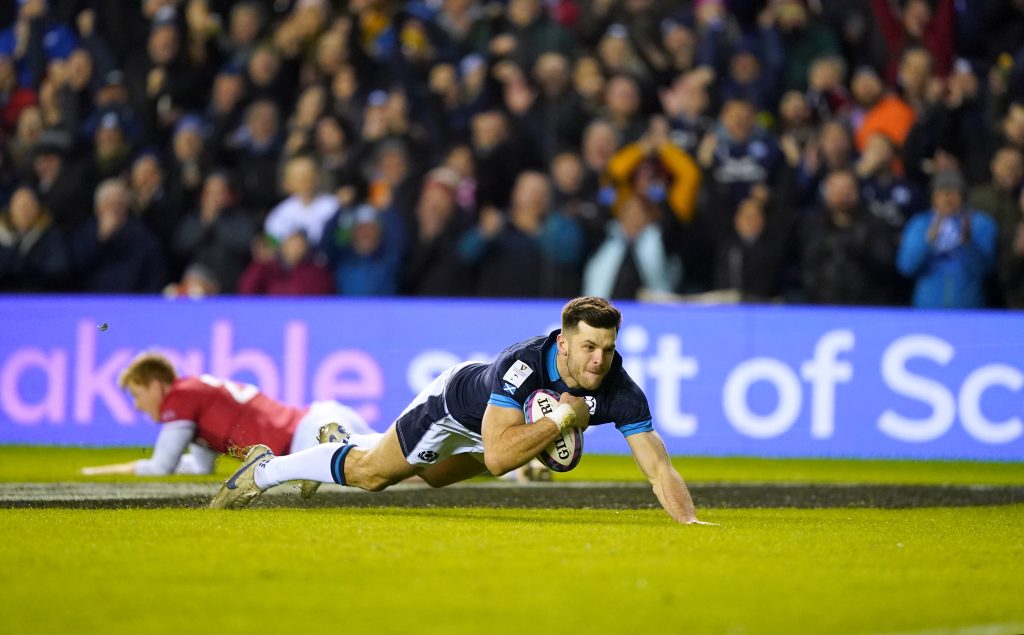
x=379, y=468
x=452, y=470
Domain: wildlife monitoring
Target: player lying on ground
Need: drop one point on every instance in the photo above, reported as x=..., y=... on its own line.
x=209, y=416
x=470, y=420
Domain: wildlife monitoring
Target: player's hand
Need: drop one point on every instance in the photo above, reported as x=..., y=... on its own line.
x=579, y=406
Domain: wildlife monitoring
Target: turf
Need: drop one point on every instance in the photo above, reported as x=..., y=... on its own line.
x=511, y=571
x=36, y=464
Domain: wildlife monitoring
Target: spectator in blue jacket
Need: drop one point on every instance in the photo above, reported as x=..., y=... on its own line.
x=364, y=248
x=948, y=250
x=33, y=40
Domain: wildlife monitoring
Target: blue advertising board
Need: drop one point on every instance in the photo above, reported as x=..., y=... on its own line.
x=734, y=380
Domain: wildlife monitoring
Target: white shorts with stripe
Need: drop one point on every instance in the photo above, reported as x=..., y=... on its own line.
x=426, y=431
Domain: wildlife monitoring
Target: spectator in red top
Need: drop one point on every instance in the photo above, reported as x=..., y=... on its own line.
x=916, y=23
x=292, y=271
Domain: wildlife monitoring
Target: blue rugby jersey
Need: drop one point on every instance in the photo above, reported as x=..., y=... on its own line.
x=530, y=365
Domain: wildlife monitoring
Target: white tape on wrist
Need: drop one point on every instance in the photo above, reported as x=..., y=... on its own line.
x=563, y=416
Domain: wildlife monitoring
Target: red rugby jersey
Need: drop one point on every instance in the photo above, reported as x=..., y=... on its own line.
x=230, y=415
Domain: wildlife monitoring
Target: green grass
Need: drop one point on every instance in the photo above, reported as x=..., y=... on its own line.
x=36, y=464
x=484, y=571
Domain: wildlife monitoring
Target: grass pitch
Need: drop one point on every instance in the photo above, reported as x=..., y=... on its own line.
x=482, y=570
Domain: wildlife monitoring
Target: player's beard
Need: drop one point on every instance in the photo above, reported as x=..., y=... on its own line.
x=577, y=370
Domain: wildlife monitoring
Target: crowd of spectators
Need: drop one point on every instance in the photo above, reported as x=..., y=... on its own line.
x=854, y=152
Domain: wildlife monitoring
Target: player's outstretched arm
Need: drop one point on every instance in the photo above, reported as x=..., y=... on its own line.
x=113, y=468
x=652, y=457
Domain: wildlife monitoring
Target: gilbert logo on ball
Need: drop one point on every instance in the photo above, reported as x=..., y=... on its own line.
x=564, y=453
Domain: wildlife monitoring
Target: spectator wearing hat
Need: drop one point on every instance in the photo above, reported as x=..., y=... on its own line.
x=58, y=179
x=364, y=251
x=432, y=267
x=187, y=161
x=111, y=96
x=33, y=253
x=115, y=252
x=34, y=40
x=291, y=269
x=949, y=250
x=112, y=149
x=217, y=233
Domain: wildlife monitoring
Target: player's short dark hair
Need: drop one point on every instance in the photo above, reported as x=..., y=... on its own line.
x=596, y=312
x=146, y=367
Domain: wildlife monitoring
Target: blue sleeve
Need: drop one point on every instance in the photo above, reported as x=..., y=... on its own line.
x=562, y=240
x=472, y=246
x=513, y=381
x=629, y=429
x=913, y=251
x=979, y=253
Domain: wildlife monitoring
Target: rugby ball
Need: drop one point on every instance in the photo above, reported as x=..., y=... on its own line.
x=565, y=451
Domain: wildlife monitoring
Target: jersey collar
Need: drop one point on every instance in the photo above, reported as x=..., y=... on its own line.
x=552, y=359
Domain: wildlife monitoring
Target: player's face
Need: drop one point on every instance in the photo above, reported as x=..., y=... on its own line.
x=147, y=398
x=589, y=352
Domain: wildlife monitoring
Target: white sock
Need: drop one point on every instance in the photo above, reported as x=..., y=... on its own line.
x=366, y=441
x=313, y=464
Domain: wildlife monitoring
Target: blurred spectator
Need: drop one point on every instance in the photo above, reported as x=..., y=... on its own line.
x=33, y=253
x=253, y=150
x=656, y=169
x=306, y=209
x=751, y=257
x=13, y=97
x=1011, y=261
x=498, y=158
x=888, y=194
x=948, y=250
x=26, y=134
x=58, y=180
x=804, y=37
x=162, y=80
x=34, y=40
x=366, y=259
x=737, y=155
x=622, y=107
x=115, y=252
x=885, y=113
x=111, y=156
x=187, y=162
x=633, y=256
x=847, y=253
x=521, y=34
x=831, y=148
x=686, y=104
x=998, y=197
x=432, y=266
x=151, y=202
x=574, y=197
x=532, y=251
x=916, y=23
x=291, y=270
x=196, y=282
x=217, y=233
